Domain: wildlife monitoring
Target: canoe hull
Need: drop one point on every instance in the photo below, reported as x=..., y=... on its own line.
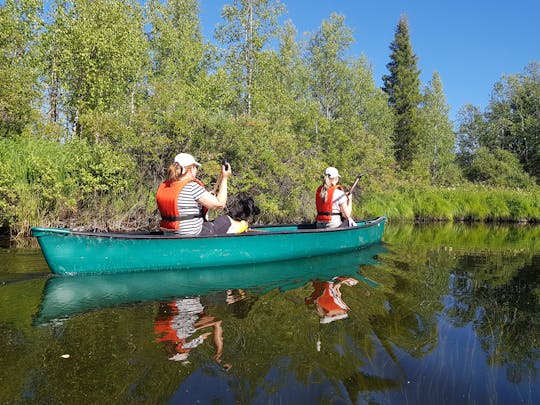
x=69, y=252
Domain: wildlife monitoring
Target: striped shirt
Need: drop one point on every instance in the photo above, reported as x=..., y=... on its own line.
x=188, y=204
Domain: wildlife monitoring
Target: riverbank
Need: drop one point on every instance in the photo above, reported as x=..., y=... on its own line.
x=433, y=204
x=470, y=203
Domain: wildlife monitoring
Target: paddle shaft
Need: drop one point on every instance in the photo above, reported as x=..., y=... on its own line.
x=355, y=184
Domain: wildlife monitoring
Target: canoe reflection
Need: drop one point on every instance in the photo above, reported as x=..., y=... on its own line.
x=64, y=297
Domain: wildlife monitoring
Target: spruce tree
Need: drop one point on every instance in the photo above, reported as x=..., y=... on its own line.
x=402, y=86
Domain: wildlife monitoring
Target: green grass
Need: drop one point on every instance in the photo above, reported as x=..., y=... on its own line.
x=467, y=203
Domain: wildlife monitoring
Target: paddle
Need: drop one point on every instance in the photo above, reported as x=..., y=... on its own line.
x=355, y=184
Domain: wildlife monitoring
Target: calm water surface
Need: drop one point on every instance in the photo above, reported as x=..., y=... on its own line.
x=437, y=314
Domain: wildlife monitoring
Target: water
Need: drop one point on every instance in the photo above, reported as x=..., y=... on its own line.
x=447, y=314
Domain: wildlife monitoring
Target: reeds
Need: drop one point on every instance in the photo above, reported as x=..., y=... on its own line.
x=468, y=203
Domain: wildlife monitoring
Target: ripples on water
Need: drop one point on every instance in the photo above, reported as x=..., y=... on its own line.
x=442, y=315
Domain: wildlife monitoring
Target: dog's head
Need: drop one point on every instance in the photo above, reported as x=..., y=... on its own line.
x=243, y=208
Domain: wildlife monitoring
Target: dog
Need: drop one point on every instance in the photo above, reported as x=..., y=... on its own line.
x=243, y=208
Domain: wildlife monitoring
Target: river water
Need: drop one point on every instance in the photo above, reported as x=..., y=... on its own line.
x=435, y=314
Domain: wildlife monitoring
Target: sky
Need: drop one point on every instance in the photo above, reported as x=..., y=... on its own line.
x=470, y=44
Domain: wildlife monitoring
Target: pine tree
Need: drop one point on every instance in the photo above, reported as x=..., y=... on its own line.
x=402, y=86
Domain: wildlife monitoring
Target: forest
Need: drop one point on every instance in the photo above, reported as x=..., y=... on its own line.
x=98, y=96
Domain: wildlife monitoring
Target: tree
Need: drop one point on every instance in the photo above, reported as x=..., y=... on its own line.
x=513, y=117
x=176, y=39
x=402, y=87
x=435, y=157
x=471, y=133
x=178, y=55
x=249, y=26
x=497, y=167
x=368, y=124
x=19, y=64
x=326, y=58
x=98, y=53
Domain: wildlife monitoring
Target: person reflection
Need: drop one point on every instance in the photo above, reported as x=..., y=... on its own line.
x=326, y=298
x=178, y=323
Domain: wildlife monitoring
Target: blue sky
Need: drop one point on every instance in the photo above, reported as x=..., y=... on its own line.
x=471, y=44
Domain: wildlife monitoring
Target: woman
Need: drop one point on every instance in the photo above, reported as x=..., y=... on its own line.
x=334, y=206
x=183, y=201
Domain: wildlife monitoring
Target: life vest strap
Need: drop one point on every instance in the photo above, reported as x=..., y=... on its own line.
x=328, y=213
x=181, y=217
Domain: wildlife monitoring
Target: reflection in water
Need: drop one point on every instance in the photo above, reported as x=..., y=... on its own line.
x=183, y=324
x=327, y=298
x=178, y=322
x=67, y=296
x=446, y=316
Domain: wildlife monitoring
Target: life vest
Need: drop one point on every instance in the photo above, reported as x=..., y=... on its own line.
x=326, y=297
x=324, y=207
x=167, y=202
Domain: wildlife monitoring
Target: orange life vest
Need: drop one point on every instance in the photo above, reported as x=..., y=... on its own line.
x=324, y=207
x=167, y=202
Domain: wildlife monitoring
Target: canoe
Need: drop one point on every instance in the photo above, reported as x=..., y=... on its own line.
x=70, y=252
x=65, y=297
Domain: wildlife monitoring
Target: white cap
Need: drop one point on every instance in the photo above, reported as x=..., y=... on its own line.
x=331, y=172
x=331, y=318
x=185, y=160
x=179, y=357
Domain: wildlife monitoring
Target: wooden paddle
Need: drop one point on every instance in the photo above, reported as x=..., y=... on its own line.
x=355, y=184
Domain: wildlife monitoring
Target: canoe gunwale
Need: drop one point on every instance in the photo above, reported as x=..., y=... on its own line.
x=257, y=231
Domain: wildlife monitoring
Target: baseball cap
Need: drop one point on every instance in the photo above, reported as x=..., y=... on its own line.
x=185, y=160
x=331, y=172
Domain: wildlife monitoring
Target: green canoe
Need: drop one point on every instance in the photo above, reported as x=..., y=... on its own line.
x=71, y=252
x=64, y=297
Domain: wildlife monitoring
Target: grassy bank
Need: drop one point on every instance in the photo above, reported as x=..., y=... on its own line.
x=466, y=203
x=98, y=187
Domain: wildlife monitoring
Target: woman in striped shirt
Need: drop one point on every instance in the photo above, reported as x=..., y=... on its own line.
x=183, y=200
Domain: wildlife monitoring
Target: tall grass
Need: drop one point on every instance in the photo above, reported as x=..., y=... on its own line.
x=466, y=203
x=68, y=184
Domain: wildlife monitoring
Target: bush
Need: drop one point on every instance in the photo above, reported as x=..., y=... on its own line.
x=498, y=168
x=42, y=182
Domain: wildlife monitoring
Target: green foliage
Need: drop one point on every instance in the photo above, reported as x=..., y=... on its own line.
x=97, y=55
x=326, y=53
x=176, y=39
x=249, y=25
x=19, y=22
x=434, y=162
x=510, y=122
x=402, y=85
x=42, y=181
x=497, y=168
x=513, y=119
x=98, y=96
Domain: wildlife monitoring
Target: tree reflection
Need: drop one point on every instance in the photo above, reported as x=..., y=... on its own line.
x=500, y=298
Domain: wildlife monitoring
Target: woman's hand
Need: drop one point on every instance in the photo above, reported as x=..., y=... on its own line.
x=226, y=170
